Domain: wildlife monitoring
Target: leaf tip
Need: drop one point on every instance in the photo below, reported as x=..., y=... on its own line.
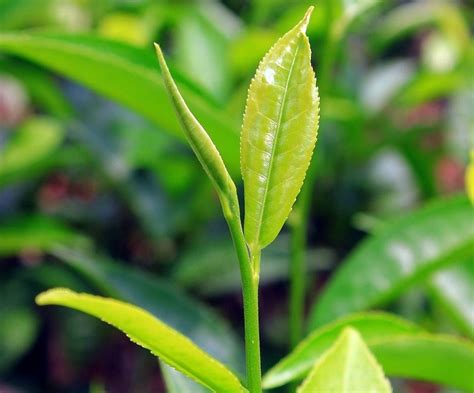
x=159, y=53
x=305, y=21
x=51, y=296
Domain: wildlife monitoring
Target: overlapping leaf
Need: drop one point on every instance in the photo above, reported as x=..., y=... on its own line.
x=372, y=326
x=347, y=367
x=402, y=349
x=402, y=253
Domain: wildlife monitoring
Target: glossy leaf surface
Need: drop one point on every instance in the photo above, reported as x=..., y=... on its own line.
x=161, y=299
x=402, y=349
x=453, y=288
x=278, y=134
x=372, y=327
x=137, y=83
x=347, y=367
x=198, y=138
x=147, y=331
x=401, y=253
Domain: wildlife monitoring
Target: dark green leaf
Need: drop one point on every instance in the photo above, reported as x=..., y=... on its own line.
x=137, y=82
x=402, y=253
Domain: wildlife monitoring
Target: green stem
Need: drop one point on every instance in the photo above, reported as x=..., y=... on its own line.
x=250, y=280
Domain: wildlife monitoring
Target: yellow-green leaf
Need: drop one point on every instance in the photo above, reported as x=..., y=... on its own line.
x=197, y=136
x=147, y=331
x=347, y=367
x=278, y=134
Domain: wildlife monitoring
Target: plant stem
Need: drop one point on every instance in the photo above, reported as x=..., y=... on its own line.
x=250, y=280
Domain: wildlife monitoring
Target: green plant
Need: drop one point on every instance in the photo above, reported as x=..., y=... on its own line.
x=277, y=140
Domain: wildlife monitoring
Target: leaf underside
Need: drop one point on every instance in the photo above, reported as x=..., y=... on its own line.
x=278, y=134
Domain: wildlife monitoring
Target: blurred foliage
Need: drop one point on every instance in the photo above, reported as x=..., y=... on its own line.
x=92, y=159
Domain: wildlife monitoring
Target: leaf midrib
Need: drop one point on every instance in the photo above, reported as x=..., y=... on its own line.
x=270, y=167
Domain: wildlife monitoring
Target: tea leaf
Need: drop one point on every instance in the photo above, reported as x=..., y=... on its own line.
x=156, y=295
x=278, y=134
x=401, y=348
x=426, y=356
x=348, y=366
x=453, y=289
x=400, y=254
x=137, y=83
x=372, y=327
x=145, y=330
x=198, y=138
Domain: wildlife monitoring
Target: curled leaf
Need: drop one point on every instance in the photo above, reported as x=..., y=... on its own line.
x=198, y=138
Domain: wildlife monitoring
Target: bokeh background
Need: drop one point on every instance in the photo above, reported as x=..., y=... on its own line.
x=99, y=192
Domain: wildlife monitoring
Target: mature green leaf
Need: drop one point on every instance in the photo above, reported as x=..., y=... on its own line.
x=29, y=147
x=372, y=326
x=278, y=134
x=403, y=350
x=198, y=138
x=403, y=252
x=137, y=82
x=162, y=299
x=453, y=288
x=39, y=233
x=150, y=333
x=348, y=366
x=435, y=358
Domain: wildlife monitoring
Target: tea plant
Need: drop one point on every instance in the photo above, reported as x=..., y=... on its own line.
x=277, y=140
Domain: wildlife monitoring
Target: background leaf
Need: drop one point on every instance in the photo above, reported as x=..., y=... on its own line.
x=403, y=252
x=453, y=288
x=39, y=233
x=137, y=83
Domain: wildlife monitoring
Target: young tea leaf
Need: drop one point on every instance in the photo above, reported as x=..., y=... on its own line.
x=198, y=138
x=147, y=331
x=347, y=367
x=278, y=134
